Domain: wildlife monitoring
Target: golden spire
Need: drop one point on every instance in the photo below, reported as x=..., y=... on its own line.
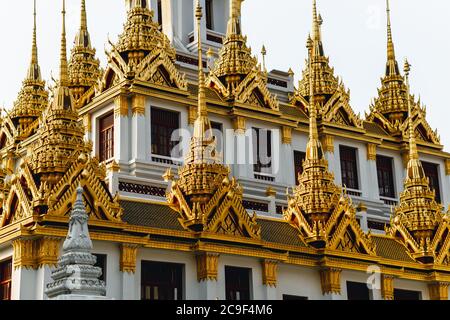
x=326, y=83
x=63, y=70
x=84, y=68
x=392, y=65
x=314, y=147
x=61, y=135
x=33, y=97
x=415, y=169
x=203, y=142
x=418, y=214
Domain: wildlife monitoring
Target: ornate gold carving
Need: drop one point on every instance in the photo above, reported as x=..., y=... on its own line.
x=236, y=74
x=371, y=152
x=138, y=105
x=438, y=290
x=286, y=135
x=239, y=124
x=128, y=253
x=207, y=266
x=269, y=272
x=113, y=166
x=143, y=52
x=87, y=122
x=330, y=280
x=387, y=287
x=271, y=192
x=121, y=106
x=205, y=197
x=324, y=216
x=418, y=220
x=447, y=167
x=328, y=143
x=24, y=255
x=48, y=251
x=192, y=114
x=84, y=67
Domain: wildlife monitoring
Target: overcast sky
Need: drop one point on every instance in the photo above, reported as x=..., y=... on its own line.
x=354, y=33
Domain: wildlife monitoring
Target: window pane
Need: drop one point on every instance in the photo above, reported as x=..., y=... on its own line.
x=298, y=163
x=432, y=172
x=349, y=169
x=237, y=283
x=385, y=177
x=5, y=279
x=400, y=294
x=357, y=291
x=161, y=281
x=106, y=137
x=163, y=123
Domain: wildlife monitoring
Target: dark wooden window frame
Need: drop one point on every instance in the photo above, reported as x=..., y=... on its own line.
x=102, y=262
x=258, y=165
x=385, y=176
x=238, y=284
x=358, y=291
x=163, y=123
x=209, y=9
x=162, y=280
x=106, y=137
x=432, y=172
x=5, y=279
x=349, y=167
x=299, y=156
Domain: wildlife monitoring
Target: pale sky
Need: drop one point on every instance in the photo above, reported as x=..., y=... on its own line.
x=354, y=34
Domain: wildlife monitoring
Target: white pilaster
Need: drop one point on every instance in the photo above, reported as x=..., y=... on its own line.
x=128, y=286
x=23, y=284
x=270, y=292
x=208, y=290
x=43, y=276
x=287, y=173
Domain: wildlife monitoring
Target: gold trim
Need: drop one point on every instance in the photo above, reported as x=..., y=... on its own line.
x=138, y=105
x=438, y=290
x=239, y=124
x=128, y=253
x=207, y=266
x=371, y=152
x=121, y=106
x=286, y=135
x=330, y=280
x=447, y=167
x=328, y=143
x=387, y=287
x=269, y=272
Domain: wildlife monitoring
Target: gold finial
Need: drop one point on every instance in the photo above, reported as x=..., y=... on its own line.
x=415, y=170
x=83, y=24
x=201, y=76
x=63, y=70
x=313, y=148
x=391, y=51
x=317, y=22
x=34, y=54
x=264, y=52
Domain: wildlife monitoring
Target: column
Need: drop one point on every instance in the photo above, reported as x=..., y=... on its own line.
x=112, y=176
x=87, y=122
x=287, y=165
x=270, y=273
x=24, y=273
x=330, y=280
x=438, y=290
x=362, y=214
x=47, y=259
x=139, y=150
x=128, y=256
x=271, y=196
x=168, y=21
x=239, y=153
x=372, y=179
x=121, y=129
x=207, y=273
